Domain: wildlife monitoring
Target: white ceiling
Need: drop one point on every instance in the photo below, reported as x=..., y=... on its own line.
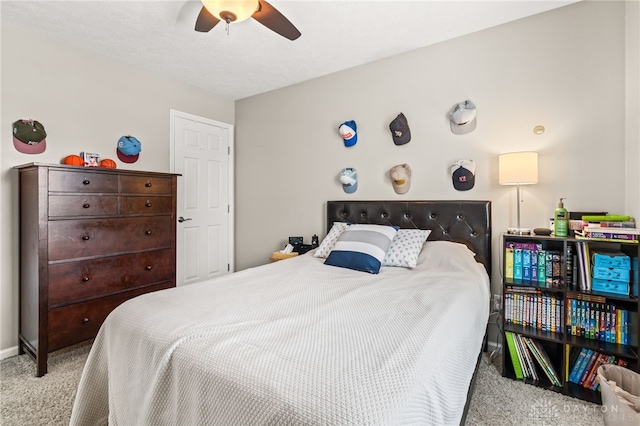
x=158, y=36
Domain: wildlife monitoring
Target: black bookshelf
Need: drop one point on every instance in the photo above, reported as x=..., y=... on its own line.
x=563, y=348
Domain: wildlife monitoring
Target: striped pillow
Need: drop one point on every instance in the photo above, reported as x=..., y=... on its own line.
x=362, y=247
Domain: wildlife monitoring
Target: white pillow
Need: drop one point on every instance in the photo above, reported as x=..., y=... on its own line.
x=329, y=241
x=362, y=247
x=405, y=248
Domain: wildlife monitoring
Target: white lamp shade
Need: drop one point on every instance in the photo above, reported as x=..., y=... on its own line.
x=518, y=168
x=242, y=9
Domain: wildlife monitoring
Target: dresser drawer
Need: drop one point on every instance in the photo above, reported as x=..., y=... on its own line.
x=82, y=181
x=82, y=280
x=146, y=205
x=81, y=321
x=145, y=185
x=69, y=239
x=83, y=205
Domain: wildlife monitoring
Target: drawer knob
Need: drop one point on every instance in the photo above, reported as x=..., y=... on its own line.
x=85, y=237
x=85, y=320
x=148, y=184
x=86, y=181
x=147, y=232
x=86, y=205
x=85, y=279
x=148, y=204
x=148, y=267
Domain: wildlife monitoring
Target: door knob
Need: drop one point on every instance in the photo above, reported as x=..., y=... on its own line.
x=182, y=219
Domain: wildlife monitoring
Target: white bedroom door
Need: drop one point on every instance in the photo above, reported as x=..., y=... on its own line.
x=202, y=152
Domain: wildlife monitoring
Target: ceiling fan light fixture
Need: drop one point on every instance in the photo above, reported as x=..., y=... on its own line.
x=231, y=10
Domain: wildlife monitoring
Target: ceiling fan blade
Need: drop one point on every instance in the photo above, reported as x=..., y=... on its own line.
x=205, y=21
x=269, y=16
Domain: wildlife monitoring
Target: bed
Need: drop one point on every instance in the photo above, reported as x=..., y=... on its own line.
x=301, y=342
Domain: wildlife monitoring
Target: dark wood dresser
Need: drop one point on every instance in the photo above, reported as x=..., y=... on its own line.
x=90, y=239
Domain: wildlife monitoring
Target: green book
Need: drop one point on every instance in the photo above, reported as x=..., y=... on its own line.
x=606, y=218
x=514, y=355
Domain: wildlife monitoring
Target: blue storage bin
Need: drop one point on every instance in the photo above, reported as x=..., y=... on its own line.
x=610, y=286
x=611, y=274
x=611, y=260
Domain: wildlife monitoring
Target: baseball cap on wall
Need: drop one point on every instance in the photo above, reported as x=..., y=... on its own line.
x=29, y=137
x=400, y=178
x=349, y=180
x=128, y=149
x=462, y=118
x=348, y=133
x=463, y=174
x=400, y=130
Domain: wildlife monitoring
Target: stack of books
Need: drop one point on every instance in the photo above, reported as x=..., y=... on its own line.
x=523, y=351
x=585, y=367
x=591, y=317
x=528, y=263
x=609, y=228
x=531, y=308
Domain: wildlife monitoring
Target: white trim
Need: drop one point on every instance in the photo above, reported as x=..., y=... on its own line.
x=9, y=352
x=172, y=166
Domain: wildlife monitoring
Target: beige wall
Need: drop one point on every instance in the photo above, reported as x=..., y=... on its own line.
x=632, y=107
x=86, y=102
x=564, y=69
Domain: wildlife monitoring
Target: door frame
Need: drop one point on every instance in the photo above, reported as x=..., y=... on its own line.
x=172, y=165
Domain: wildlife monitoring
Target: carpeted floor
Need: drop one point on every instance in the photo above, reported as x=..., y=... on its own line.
x=28, y=400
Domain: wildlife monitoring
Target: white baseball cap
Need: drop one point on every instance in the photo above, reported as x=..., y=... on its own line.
x=462, y=118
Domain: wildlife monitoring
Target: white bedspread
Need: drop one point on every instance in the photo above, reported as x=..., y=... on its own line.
x=294, y=342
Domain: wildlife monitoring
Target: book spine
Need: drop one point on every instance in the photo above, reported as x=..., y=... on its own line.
x=627, y=224
x=577, y=364
x=606, y=218
x=517, y=264
x=526, y=265
x=549, y=268
x=508, y=263
x=515, y=360
x=542, y=275
x=588, y=381
x=569, y=266
x=584, y=360
x=610, y=235
x=587, y=368
x=610, y=230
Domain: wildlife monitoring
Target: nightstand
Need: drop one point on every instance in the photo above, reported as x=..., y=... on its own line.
x=276, y=255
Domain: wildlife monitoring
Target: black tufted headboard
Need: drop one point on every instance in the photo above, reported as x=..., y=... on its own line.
x=467, y=222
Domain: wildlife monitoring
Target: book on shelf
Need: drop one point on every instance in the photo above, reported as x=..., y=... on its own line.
x=598, y=320
x=584, y=265
x=515, y=360
x=529, y=307
x=620, y=224
x=508, y=262
x=607, y=240
x=585, y=367
x=606, y=234
x=527, y=357
x=540, y=355
x=606, y=218
x=611, y=230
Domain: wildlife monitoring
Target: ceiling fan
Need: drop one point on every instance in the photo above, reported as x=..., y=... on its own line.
x=214, y=11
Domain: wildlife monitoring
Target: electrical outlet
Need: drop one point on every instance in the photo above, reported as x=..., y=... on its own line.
x=496, y=302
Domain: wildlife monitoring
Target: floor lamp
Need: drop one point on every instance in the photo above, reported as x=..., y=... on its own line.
x=518, y=168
